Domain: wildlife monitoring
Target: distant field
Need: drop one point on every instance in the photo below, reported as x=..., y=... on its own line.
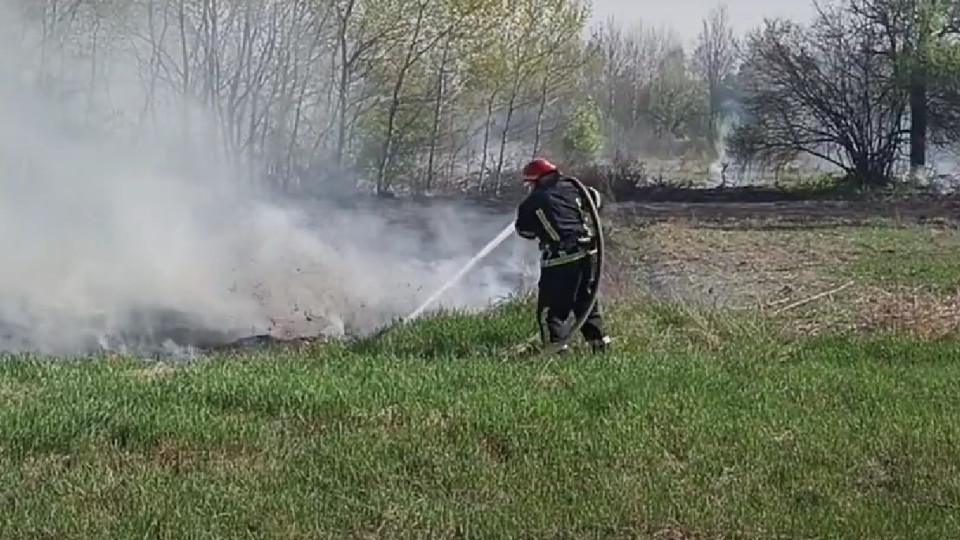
x=742, y=402
x=811, y=267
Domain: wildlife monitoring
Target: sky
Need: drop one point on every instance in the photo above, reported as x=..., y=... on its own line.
x=686, y=16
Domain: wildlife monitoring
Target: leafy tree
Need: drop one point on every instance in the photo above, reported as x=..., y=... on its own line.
x=677, y=103
x=583, y=138
x=919, y=40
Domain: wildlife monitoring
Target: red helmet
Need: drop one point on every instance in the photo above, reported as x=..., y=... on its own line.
x=535, y=169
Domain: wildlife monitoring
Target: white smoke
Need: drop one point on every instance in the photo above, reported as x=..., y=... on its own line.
x=108, y=243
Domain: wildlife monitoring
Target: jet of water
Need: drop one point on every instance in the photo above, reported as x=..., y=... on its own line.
x=504, y=234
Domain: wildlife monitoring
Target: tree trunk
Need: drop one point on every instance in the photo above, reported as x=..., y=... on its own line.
x=540, y=111
x=387, y=152
x=486, y=142
x=504, y=134
x=343, y=87
x=186, y=81
x=437, y=115
x=918, y=123
x=871, y=170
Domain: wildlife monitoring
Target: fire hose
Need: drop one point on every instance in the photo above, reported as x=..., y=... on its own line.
x=595, y=274
x=594, y=286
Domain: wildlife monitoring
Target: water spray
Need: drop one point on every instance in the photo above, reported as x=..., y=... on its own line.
x=491, y=245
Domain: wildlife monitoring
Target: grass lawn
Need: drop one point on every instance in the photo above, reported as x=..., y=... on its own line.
x=707, y=423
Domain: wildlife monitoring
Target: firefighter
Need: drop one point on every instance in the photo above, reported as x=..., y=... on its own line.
x=553, y=214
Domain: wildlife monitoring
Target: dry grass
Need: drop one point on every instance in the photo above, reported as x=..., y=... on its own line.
x=810, y=278
x=910, y=310
x=152, y=372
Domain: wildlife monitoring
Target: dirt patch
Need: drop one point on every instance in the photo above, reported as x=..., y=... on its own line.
x=677, y=533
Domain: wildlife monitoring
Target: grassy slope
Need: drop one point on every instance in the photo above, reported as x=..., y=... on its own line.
x=705, y=425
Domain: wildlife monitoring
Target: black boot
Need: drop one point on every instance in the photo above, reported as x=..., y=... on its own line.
x=601, y=345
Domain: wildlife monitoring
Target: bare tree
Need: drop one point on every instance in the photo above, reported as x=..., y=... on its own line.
x=285, y=89
x=645, y=89
x=715, y=61
x=819, y=90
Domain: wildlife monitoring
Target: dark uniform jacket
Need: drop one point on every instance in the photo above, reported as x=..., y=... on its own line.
x=554, y=214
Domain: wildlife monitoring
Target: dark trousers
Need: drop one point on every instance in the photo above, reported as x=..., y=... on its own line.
x=564, y=290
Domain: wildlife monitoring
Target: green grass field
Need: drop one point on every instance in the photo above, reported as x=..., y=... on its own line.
x=706, y=423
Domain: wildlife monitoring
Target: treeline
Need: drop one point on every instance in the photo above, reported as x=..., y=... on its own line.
x=413, y=94
x=866, y=86
x=428, y=94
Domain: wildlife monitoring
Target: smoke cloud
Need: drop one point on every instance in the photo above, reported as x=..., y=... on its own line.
x=118, y=243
